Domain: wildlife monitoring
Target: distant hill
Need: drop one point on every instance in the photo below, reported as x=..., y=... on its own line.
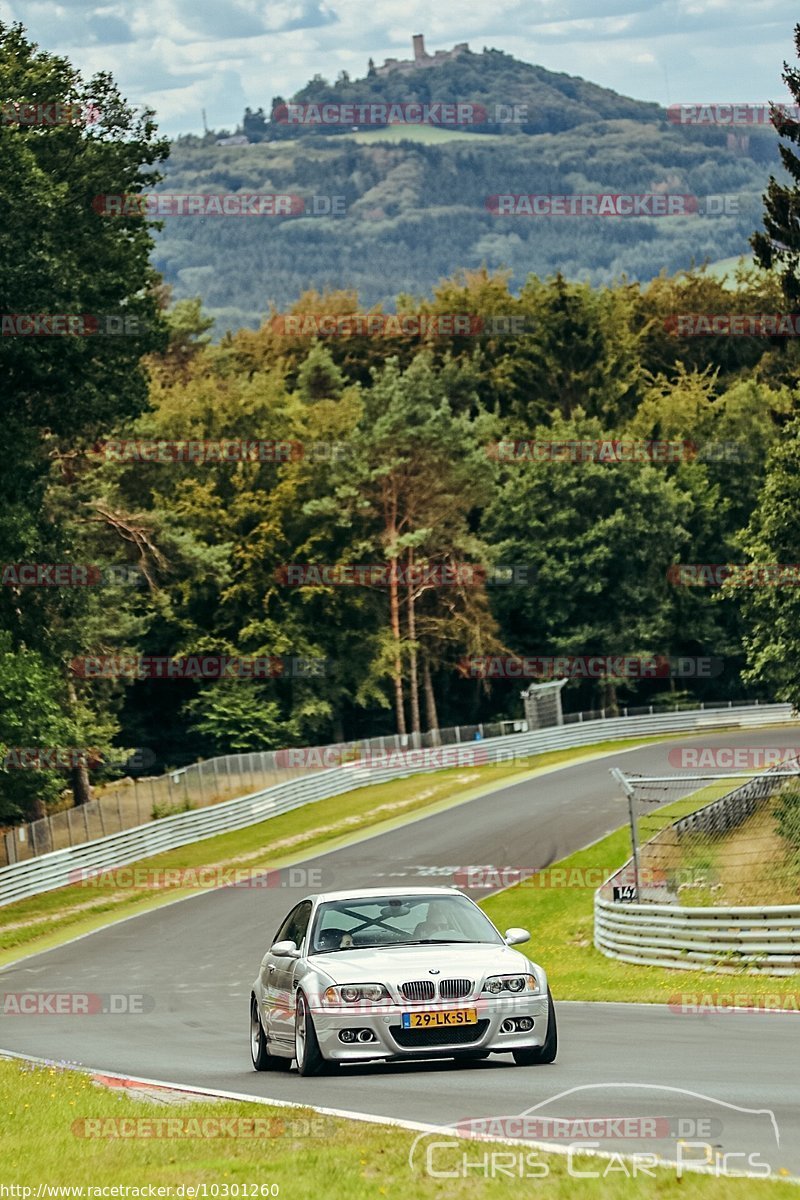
x=415, y=198
x=495, y=81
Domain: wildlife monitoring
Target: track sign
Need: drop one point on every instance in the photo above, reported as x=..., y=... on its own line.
x=625, y=893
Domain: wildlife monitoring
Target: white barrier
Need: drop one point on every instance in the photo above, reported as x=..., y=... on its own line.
x=61, y=867
x=723, y=940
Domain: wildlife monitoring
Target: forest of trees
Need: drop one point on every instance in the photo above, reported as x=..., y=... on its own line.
x=414, y=212
x=393, y=460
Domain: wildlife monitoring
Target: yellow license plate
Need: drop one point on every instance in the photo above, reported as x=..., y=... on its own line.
x=430, y=1020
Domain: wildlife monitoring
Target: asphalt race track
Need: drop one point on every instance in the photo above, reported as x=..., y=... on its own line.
x=196, y=960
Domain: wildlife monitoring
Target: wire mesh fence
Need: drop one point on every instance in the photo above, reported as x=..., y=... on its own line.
x=714, y=840
x=130, y=802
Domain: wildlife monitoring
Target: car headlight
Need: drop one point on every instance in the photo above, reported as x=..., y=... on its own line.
x=353, y=993
x=515, y=984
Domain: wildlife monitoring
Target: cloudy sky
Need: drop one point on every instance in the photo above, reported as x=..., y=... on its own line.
x=183, y=56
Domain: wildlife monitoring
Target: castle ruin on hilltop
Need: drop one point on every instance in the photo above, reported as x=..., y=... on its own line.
x=421, y=59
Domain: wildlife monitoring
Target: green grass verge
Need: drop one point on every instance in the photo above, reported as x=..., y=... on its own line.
x=45, y=1111
x=558, y=908
x=48, y=919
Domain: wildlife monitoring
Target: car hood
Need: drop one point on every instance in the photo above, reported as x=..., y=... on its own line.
x=395, y=965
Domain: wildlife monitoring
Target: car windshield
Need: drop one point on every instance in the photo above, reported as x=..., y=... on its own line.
x=399, y=921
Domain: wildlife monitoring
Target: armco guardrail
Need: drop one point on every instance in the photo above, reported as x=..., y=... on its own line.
x=61, y=867
x=763, y=939
x=726, y=940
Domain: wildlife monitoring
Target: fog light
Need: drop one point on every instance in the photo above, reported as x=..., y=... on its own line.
x=525, y=1023
x=347, y=1035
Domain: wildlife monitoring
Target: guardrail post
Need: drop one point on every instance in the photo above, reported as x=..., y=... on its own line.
x=630, y=793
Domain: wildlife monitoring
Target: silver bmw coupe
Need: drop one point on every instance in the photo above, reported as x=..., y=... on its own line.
x=419, y=973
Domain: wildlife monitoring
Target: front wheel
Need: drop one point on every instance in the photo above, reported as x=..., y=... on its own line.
x=541, y=1054
x=262, y=1059
x=307, y=1051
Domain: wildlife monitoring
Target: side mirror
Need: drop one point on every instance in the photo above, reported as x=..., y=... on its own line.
x=515, y=936
x=285, y=950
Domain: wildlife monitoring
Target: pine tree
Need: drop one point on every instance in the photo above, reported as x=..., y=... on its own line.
x=780, y=245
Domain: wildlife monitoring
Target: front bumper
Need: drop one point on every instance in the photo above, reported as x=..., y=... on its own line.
x=384, y=1021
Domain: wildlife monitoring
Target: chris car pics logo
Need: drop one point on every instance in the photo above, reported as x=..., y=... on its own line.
x=663, y=1128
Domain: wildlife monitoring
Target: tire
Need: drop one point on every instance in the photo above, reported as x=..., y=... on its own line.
x=262, y=1059
x=307, y=1051
x=546, y=1053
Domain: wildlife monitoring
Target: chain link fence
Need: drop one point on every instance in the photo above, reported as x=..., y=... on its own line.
x=714, y=887
x=700, y=840
x=130, y=802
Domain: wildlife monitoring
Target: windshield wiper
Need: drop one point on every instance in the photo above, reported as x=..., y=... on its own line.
x=439, y=942
x=416, y=942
